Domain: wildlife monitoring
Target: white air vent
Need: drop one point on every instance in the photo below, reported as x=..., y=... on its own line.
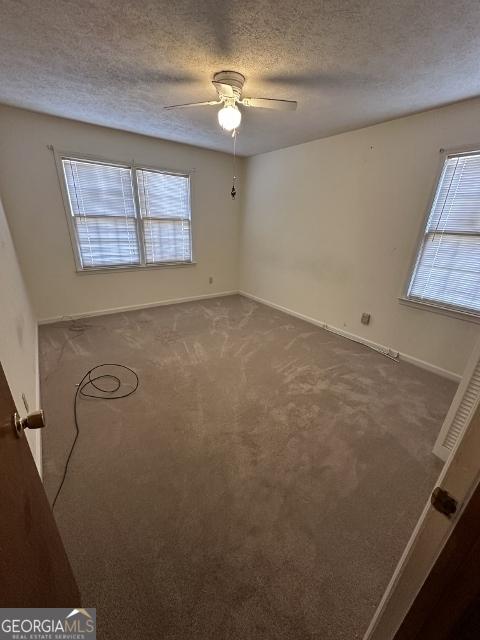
x=462, y=409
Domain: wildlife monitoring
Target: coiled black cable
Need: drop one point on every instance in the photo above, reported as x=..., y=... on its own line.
x=91, y=383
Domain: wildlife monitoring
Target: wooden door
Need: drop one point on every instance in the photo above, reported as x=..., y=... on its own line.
x=34, y=568
x=448, y=604
x=423, y=562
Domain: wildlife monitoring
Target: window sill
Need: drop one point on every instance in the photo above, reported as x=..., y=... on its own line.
x=157, y=265
x=466, y=316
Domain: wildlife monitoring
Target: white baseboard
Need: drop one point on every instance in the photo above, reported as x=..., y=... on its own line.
x=386, y=350
x=135, y=307
x=445, y=373
x=351, y=336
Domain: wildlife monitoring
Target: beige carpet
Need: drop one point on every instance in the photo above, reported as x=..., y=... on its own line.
x=260, y=484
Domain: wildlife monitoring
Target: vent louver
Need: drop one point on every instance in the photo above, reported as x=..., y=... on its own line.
x=463, y=407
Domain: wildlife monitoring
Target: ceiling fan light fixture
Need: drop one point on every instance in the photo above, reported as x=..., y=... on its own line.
x=229, y=117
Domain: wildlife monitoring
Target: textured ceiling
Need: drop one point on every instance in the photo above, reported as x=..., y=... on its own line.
x=349, y=63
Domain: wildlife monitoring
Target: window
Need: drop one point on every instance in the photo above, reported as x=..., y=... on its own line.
x=447, y=269
x=124, y=216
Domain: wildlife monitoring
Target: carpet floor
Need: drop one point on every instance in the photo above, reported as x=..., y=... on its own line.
x=261, y=483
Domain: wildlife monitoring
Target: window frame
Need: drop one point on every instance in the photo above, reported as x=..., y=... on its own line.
x=61, y=155
x=427, y=305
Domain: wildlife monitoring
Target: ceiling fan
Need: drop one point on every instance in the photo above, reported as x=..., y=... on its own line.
x=229, y=87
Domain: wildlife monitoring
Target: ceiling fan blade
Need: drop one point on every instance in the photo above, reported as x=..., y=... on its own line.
x=193, y=104
x=223, y=89
x=270, y=103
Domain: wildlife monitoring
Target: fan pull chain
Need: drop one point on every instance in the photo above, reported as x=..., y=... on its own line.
x=233, y=192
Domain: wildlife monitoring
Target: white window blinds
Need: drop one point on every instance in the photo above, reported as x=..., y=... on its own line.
x=120, y=221
x=447, y=271
x=103, y=209
x=165, y=210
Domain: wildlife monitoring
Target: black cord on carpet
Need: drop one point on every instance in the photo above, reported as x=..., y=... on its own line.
x=95, y=390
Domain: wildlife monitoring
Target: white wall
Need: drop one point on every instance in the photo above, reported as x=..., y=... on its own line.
x=329, y=229
x=33, y=202
x=18, y=334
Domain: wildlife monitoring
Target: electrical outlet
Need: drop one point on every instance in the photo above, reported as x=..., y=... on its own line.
x=210, y=280
x=365, y=319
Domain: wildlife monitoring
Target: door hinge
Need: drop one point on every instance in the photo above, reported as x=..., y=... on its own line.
x=443, y=502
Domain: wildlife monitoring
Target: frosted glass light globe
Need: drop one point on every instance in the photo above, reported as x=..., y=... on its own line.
x=229, y=117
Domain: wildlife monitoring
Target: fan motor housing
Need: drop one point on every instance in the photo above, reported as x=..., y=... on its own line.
x=233, y=78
